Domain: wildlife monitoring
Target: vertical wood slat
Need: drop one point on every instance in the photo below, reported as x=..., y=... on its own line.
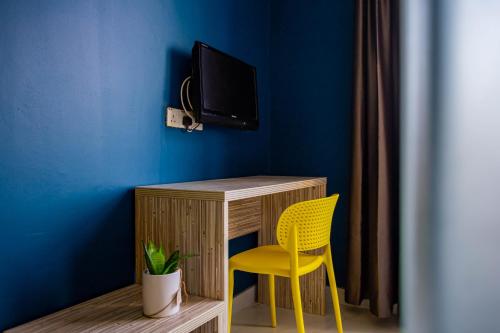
x=193, y=227
x=312, y=285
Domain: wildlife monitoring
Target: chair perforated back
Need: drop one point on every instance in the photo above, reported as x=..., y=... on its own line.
x=313, y=219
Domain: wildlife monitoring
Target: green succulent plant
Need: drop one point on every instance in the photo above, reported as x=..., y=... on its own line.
x=158, y=263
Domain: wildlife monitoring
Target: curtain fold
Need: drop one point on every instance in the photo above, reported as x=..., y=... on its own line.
x=373, y=232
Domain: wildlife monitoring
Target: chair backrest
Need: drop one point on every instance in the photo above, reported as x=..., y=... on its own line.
x=313, y=219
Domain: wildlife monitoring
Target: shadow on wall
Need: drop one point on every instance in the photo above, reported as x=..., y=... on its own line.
x=180, y=68
x=93, y=251
x=105, y=257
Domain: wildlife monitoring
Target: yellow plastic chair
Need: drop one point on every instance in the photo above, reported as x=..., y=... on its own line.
x=302, y=227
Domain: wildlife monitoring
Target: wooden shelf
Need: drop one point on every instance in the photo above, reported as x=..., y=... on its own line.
x=121, y=311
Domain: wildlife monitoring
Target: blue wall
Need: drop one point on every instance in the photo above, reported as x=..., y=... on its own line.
x=311, y=80
x=83, y=86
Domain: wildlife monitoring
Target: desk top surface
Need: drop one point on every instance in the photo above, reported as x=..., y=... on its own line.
x=231, y=188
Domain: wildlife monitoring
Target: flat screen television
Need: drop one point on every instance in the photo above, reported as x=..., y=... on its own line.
x=223, y=89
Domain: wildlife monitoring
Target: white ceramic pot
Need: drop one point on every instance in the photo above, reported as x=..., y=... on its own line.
x=159, y=294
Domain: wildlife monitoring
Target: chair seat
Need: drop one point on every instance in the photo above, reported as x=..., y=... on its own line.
x=273, y=259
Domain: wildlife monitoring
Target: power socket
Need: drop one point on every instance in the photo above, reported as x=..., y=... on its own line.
x=174, y=118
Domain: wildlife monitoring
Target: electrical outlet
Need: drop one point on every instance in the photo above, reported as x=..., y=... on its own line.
x=174, y=119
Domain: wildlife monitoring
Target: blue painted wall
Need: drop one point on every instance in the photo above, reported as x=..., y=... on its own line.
x=83, y=86
x=311, y=80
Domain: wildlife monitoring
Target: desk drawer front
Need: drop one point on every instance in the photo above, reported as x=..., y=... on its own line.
x=245, y=216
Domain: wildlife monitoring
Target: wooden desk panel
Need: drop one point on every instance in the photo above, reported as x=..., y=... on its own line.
x=192, y=227
x=245, y=216
x=200, y=218
x=312, y=285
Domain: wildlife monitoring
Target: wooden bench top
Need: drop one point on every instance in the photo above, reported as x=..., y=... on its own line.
x=121, y=311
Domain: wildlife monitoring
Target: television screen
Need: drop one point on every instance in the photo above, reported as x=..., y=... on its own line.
x=224, y=89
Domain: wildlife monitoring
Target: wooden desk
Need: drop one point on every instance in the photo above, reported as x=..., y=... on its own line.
x=200, y=218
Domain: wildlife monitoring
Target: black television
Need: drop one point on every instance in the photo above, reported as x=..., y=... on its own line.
x=223, y=89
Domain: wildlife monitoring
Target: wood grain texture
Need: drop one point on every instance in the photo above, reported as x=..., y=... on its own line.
x=121, y=311
x=231, y=188
x=245, y=216
x=193, y=227
x=190, y=226
x=199, y=218
x=312, y=285
x=195, y=218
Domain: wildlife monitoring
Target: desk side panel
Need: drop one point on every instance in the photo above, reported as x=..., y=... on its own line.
x=312, y=285
x=191, y=226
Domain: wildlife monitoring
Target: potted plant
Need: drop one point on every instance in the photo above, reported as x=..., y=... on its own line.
x=161, y=282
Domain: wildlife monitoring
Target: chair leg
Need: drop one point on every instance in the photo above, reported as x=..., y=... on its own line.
x=230, y=299
x=333, y=289
x=272, y=300
x=297, y=303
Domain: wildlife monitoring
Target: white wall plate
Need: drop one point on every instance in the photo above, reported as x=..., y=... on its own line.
x=174, y=117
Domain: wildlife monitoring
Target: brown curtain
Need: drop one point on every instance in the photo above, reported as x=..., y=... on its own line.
x=373, y=222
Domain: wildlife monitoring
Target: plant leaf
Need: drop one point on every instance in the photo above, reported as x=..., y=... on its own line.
x=147, y=258
x=151, y=246
x=170, y=268
x=174, y=256
x=156, y=257
x=173, y=262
